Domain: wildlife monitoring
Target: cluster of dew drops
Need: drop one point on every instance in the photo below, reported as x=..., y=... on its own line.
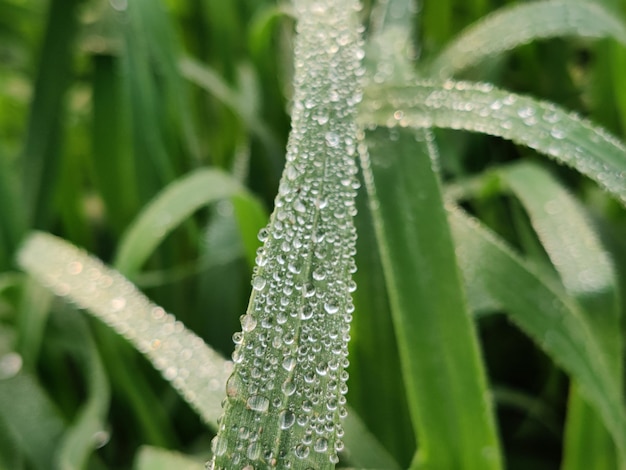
x=291, y=356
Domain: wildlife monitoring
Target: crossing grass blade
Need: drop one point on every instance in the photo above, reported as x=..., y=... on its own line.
x=172, y=349
x=168, y=209
x=540, y=307
x=518, y=24
x=482, y=108
x=154, y=458
x=444, y=376
x=588, y=276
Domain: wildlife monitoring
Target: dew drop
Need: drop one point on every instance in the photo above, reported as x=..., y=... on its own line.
x=286, y=419
x=259, y=283
x=288, y=388
x=248, y=323
x=302, y=451
x=332, y=139
x=289, y=363
x=321, y=445
x=258, y=403
x=331, y=308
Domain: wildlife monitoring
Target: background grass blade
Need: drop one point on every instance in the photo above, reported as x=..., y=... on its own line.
x=523, y=23
x=443, y=372
x=362, y=448
x=546, y=314
x=43, y=141
x=482, y=108
x=588, y=275
x=373, y=344
x=154, y=458
x=87, y=432
x=173, y=205
x=33, y=421
x=172, y=349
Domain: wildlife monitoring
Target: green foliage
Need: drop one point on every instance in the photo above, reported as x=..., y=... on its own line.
x=487, y=327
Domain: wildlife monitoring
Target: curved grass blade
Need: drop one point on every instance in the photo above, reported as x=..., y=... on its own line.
x=482, y=108
x=542, y=309
x=194, y=369
x=33, y=421
x=362, y=448
x=519, y=24
x=154, y=458
x=87, y=430
x=286, y=395
x=574, y=248
x=167, y=210
x=588, y=275
x=444, y=375
x=203, y=76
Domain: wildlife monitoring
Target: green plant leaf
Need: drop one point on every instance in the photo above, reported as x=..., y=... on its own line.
x=194, y=369
x=482, y=108
x=443, y=372
x=167, y=210
x=362, y=448
x=32, y=420
x=154, y=458
x=541, y=308
x=574, y=248
x=588, y=275
x=202, y=75
x=286, y=395
x=88, y=428
x=41, y=153
x=518, y=24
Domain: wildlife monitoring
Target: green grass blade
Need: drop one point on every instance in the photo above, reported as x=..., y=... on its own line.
x=444, y=375
x=375, y=371
x=389, y=47
x=114, y=171
x=540, y=307
x=251, y=218
x=287, y=389
x=518, y=24
x=12, y=225
x=31, y=322
x=588, y=275
x=85, y=433
x=167, y=210
x=482, y=108
x=362, y=448
x=202, y=75
x=41, y=153
x=587, y=442
x=154, y=458
x=574, y=248
x=32, y=420
x=194, y=369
